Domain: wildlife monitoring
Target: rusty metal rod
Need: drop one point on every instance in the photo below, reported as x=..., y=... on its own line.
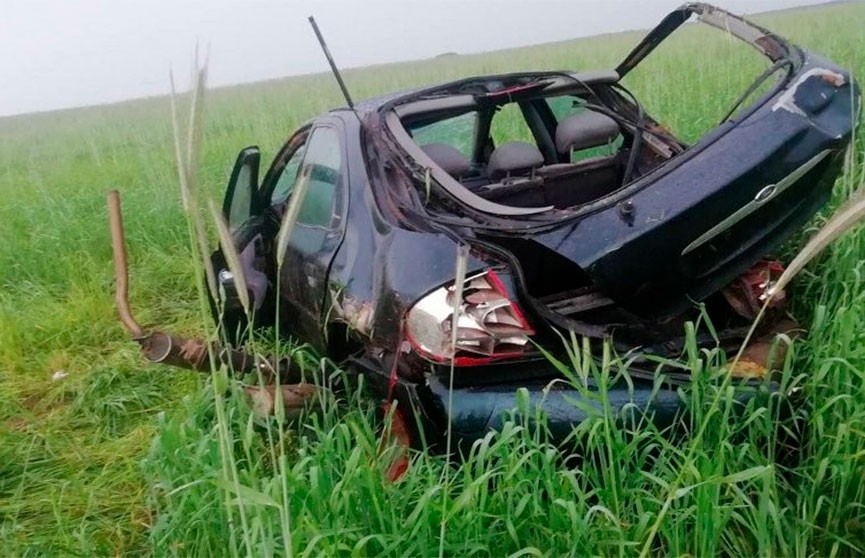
x=192, y=354
x=118, y=246
x=159, y=347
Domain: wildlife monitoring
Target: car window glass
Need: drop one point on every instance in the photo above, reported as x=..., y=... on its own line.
x=509, y=125
x=241, y=202
x=287, y=177
x=323, y=164
x=457, y=131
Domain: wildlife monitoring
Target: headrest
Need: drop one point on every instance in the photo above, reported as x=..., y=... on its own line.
x=513, y=157
x=584, y=130
x=448, y=158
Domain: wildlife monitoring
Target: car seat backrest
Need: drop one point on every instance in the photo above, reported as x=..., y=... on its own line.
x=448, y=158
x=584, y=130
x=513, y=158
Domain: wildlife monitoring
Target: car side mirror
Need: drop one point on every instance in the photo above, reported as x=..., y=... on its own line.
x=242, y=196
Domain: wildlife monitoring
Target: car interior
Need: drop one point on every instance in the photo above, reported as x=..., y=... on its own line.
x=558, y=150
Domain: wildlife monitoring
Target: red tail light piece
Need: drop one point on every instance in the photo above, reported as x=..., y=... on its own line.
x=490, y=326
x=397, y=430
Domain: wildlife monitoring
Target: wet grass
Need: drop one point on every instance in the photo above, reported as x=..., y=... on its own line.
x=120, y=457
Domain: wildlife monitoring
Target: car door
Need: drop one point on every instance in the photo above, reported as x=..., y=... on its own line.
x=317, y=233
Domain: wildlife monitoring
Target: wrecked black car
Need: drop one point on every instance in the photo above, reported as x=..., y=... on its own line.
x=602, y=224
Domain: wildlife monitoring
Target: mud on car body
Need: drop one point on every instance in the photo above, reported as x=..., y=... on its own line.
x=602, y=223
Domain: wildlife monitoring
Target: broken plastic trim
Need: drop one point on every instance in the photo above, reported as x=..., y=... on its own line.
x=489, y=325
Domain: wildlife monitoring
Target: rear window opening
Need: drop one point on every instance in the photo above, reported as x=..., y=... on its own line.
x=557, y=141
x=455, y=131
x=559, y=149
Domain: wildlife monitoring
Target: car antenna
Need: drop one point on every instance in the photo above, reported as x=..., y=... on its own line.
x=333, y=67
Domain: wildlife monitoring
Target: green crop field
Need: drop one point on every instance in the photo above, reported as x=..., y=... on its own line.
x=123, y=457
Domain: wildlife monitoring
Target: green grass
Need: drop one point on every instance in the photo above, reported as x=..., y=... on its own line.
x=122, y=457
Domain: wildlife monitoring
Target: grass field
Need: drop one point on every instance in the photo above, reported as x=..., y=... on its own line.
x=122, y=457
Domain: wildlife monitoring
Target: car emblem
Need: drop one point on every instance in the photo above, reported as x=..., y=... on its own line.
x=765, y=194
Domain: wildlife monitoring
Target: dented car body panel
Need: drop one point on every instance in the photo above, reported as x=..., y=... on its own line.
x=660, y=261
x=619, y=245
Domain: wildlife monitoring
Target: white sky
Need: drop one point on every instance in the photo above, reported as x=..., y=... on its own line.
x=63, y=53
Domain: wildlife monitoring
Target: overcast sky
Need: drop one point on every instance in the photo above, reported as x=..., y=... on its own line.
x=63, y=53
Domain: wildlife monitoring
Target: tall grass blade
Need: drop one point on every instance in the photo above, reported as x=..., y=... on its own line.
x=844, y=219
x=232, y=258
x=291, y=213
x=187, y=169
x=462, y=258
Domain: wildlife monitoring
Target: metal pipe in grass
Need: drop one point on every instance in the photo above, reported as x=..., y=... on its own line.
x=121, y=267
x=164, y=348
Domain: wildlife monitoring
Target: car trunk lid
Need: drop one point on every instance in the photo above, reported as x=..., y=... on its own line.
x=762, y=39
